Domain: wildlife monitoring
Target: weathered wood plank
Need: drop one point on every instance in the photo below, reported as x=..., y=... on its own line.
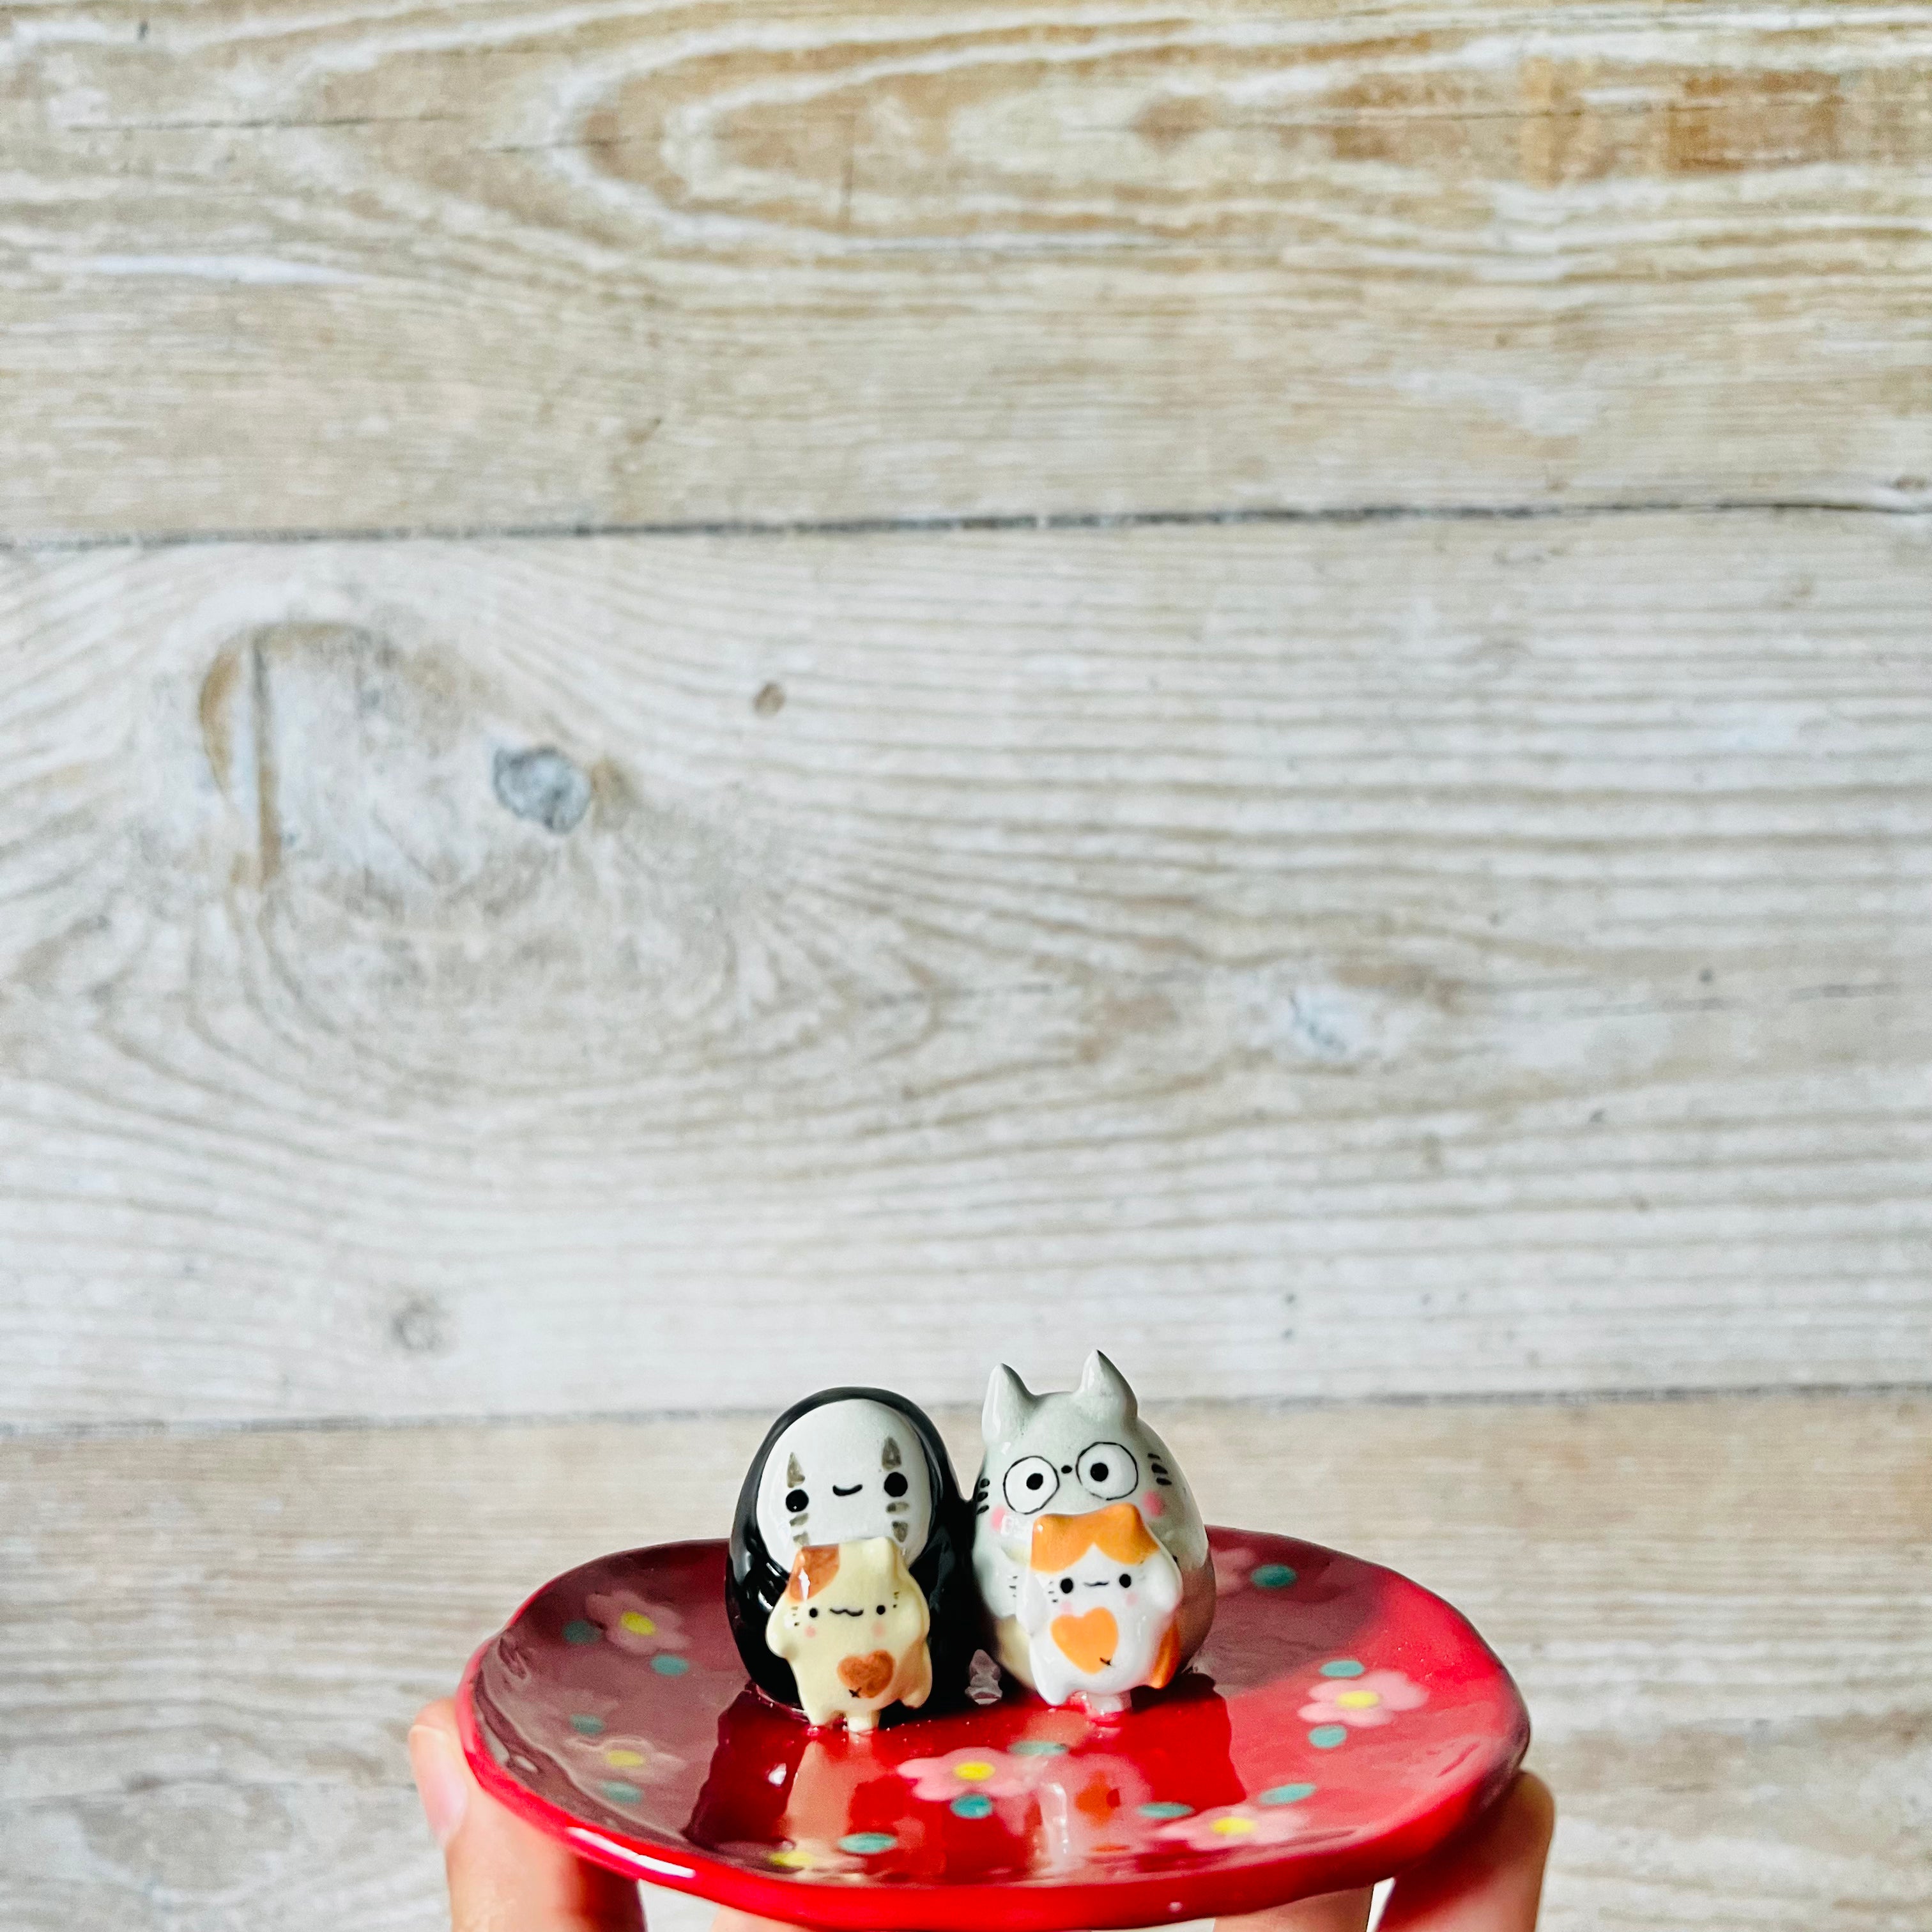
x=279, y=266
x=209, y=1648
x=1423, y=957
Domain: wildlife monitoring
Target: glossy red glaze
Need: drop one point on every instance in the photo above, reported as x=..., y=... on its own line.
x=1340, y=1722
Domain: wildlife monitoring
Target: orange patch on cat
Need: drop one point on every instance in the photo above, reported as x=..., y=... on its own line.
x=812, y=1570
x=1089, y=1642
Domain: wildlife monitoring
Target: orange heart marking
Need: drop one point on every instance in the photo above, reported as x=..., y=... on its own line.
x=1089, y=1642
x=866, y=1676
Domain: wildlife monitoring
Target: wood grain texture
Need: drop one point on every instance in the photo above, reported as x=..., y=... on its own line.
x=513, y=977
x=270, y=265
x=209, y=1648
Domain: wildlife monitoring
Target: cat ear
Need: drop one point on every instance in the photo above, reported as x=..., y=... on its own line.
x=1103, y=1391
x=1008, y=1402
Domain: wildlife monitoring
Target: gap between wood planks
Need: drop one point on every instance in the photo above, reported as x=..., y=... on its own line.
x=140, y=1428
x=941, y=524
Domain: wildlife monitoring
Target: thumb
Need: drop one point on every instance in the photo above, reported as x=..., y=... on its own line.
x=505, y=1876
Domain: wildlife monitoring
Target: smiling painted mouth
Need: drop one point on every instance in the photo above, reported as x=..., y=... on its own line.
x=852, y=1492
x=848, y=1613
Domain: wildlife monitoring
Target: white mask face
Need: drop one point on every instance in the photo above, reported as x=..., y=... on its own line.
x=842, y=1472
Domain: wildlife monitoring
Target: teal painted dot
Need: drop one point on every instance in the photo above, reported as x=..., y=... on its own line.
x=1037, y=1747
x=1272, y=1577
x=665, y=1665
x=1342, y=1666
x=973, y=1804
x=1287, y=1794
x=1326, y=1737
x=619, y=1792
x=1166, y=1808
x=581, y=1629
x=867, y=1842
x=587, y=1726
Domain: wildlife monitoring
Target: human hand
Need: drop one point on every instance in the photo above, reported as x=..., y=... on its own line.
x=505, y=1876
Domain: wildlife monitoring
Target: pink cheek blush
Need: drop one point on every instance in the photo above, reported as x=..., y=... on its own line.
x=999, y=1521
x=1152, y=1505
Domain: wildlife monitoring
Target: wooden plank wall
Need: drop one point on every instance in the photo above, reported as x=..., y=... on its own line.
x=519, y=263
x=1250, y=681
x=1421, y=958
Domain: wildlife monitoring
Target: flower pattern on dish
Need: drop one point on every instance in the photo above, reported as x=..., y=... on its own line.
x=971, y=1772
x=634, y=1623
x=1227, y=1827
x=612, y=1766
x=1363, y=1703
x=1232, y=1565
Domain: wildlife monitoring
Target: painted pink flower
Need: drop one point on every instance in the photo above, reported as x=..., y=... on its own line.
x=1228, y=1827
x=614, y=1767
x=634, y=1623
x=1230, y=1569
x=966, y=1773
x=1364, y=1701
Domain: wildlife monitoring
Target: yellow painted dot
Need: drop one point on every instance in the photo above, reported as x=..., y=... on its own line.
x=973, y=1773
x=1358, y=1700
x=792, y=1861
x=1232, y=1828
x=638, y=1623
x=624, y=1760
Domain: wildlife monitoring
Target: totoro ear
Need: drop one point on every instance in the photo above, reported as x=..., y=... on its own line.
x=1008, y=1402
x=1104, y=1392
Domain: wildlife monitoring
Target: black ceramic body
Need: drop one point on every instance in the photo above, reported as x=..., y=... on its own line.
x=754, y=1579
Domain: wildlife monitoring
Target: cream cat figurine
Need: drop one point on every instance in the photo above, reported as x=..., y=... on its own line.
x=1071, y=1454
x=853, y=1625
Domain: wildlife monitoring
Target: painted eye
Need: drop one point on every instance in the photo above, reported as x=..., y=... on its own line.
x=795, y=1502
x=1066, y=1586
x=880, y=1611
x=1031, y=1484
x=1127, y=1581
x=895, y=1484
x=1108, y=1471
x=813, y=1612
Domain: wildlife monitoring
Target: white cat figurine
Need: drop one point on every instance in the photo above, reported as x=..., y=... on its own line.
x=1099, y=1603
x=1070, y=1454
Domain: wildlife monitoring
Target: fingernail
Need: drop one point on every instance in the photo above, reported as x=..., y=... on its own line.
x=441, y=1782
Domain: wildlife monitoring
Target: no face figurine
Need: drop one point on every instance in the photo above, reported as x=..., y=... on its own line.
x=845, y=1467
x=1073, y=1455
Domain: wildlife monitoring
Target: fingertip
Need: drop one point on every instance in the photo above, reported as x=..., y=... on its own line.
x=1531, y=1808
x=730, y=1919
x=1489, y=1878
x=438, y=1714
x=443, y=1779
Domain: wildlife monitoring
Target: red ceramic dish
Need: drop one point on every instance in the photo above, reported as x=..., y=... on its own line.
x=1340, y=1723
